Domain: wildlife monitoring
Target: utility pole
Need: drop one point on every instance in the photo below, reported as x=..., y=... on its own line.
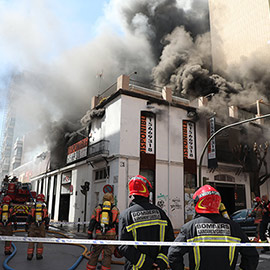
x=221, y=129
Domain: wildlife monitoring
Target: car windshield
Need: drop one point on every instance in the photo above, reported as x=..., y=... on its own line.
x=240, y=214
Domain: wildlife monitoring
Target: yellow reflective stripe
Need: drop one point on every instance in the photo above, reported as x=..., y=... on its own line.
x=216, y=238
x=197, y=257
x=163, y=257
x=134, y=232
x=141, y=261
x=231, y=254
x=141, y=224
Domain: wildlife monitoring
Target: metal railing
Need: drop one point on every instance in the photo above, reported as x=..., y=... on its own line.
x=99, y=148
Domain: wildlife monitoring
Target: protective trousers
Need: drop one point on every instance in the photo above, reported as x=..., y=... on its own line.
x=36, y=231
x=7, y=231
x=107, y=251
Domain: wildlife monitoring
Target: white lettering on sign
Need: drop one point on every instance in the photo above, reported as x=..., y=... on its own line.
x=150, y=135
x=212, y=145
x=190, y=141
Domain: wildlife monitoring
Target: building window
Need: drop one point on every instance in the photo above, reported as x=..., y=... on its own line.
x=102, y=173
x=224, y=177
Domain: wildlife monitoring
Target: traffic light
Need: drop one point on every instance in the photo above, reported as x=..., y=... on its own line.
x=85, y=187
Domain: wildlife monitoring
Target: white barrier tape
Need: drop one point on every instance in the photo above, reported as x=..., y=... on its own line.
x=60, y=223
x=128, y=243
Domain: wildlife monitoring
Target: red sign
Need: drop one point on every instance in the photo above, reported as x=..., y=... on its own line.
x=77, y=146
x=108, y=188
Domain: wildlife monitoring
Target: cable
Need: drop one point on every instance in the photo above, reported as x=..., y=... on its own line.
x=6, y=267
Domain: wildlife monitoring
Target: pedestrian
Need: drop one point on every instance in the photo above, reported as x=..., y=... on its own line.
x=7, y=216
x=36, y=225
x=265, y=221
x=104, y=222
x=209, y=226
x=144, y=221
x=257, y=212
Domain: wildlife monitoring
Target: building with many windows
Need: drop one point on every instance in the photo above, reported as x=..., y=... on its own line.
x=239, y=29
x=136, y=130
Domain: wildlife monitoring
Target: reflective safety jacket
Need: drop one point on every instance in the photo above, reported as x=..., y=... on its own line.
x=7, y=215
x=143, y=221
x=212, y=228
x=266, y=211
x=38, y=215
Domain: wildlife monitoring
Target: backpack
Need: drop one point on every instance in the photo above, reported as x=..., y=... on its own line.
x=38, y=213
x=5, y=214
x=105, y=216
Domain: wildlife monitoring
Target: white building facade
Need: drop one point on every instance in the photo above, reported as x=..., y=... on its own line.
x=140, y=132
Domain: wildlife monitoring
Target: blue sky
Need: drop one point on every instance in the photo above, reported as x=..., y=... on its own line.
x=77, y=22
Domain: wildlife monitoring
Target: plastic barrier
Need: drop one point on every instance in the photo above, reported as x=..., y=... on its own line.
x=130, y=243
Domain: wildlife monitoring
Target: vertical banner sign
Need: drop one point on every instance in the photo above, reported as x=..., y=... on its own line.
x=189, y=147
x=189, y=140
x=147, y=137
x=212, y=159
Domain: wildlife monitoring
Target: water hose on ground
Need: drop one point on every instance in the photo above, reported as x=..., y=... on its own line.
x=6, y=267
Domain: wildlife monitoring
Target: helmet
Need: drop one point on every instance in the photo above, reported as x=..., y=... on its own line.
x=207, y=200
x=7, y=199
x=40, y=198
x=108, y=197
x=257, y=199
x=139, y=185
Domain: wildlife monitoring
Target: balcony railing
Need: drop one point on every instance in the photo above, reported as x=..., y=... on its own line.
x=99, y=148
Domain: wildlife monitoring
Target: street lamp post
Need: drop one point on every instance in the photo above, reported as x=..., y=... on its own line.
x=221, y=129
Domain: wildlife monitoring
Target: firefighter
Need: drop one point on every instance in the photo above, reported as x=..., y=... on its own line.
x=7, y=216
x=265, y=221
x=104, y=222
x=209, y=226
x=257, y=212
x=37, y=223
x=143, y=221
x=223, y=210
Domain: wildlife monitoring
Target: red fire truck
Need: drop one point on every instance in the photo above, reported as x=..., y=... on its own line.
x=22, y=196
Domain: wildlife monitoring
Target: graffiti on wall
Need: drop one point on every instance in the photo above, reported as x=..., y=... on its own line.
x=175, y=204
x=162, y=201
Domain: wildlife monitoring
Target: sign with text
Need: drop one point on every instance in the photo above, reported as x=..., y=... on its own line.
x=212, y=158
x=189, y=140
x=189, y=147
x=77, y=150
x=147, y=135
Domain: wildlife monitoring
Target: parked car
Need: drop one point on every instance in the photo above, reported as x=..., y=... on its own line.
x=245, y=221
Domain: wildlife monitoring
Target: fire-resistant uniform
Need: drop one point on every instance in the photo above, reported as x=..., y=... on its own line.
x=265, y=221
x=7, y=216
x=257, y=212
x=103, y=231
x=143, y=221
x=37, y=223
x=209, y=226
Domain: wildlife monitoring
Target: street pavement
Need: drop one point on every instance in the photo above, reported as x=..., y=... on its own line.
x=60, y=256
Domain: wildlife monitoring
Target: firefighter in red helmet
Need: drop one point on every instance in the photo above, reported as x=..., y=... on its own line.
x=37, y=223
x=143, y=221
x=209, y=226
x=104, y=221
x=7, y=216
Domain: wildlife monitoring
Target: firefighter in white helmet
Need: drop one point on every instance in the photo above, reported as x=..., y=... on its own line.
x=104, y=222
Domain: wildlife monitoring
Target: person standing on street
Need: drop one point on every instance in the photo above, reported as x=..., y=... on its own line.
x=36, y=225
x=265, y=221
x=143, y=221
x=257, y=212
x=7, y=216
x=209, y=226
x=104, y=221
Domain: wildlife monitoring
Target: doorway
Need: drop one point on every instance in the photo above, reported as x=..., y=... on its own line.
x=64, y=207
x=227, y=193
